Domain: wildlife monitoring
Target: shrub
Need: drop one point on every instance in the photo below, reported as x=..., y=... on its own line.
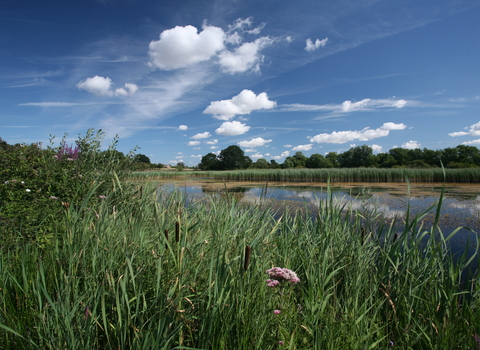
x=38, y=184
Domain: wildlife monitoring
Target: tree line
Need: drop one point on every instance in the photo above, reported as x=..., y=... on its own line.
x=462, y=156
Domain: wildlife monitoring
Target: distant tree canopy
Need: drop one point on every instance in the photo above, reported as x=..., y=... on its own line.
x=142, y=158
x=462, y=156
x=230, y=158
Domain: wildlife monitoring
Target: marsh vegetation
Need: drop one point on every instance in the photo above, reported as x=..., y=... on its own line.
x=123, y=266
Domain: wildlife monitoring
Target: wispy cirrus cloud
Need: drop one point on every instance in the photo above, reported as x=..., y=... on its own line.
x=347, y=106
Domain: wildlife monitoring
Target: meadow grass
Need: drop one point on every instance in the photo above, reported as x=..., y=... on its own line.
x=432, y=175
x=141, y=270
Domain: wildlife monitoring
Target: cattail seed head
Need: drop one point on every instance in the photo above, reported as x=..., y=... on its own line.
x=247, y=257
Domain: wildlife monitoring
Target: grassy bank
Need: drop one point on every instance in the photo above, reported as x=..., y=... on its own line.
x=136, y=272
x=433, y=175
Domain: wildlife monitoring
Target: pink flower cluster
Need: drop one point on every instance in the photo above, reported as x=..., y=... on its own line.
x=278, y=274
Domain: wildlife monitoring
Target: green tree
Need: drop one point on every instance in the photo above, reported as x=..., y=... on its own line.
x=318, y=161
x=355, y=157
x=209, y=162
x=274, y=164
x=232, y=158
x=142, y=158
x=300, y=160
x=333, y=158
x=261, y=163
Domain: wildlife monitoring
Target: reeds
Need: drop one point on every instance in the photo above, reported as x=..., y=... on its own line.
x=432, y=175
x=111, y=281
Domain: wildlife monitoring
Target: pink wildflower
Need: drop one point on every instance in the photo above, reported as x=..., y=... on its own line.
x=279, y=274
x=277, y=312
x=272, y=283
x=281, y=342
x=53, y=197
x=102, y=197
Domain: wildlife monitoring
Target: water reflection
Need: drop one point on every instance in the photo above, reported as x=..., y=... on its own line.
x=456, y=210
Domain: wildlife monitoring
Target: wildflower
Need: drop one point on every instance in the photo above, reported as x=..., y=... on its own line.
x=279, y=274
x=102, y=197
x=22, y=182
x=6, y=182
x=70, y=152
x=53, y=197
x=277, y=312
x=28, y=190
x=477, y=340
x=272, y=283
x=281, y=342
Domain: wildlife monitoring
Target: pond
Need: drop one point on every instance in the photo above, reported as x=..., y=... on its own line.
x=460, y=206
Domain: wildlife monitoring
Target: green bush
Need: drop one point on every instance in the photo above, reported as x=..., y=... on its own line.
x=38, y=184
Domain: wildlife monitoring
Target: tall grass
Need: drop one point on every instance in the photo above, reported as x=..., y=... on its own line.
x=137, y=272
x=469, y=175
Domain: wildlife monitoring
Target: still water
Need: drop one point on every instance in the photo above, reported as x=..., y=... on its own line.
x=458, y=209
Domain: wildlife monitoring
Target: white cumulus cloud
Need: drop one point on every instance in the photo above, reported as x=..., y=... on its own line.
x=182, y=127
x=232, y=128
x=312, y=46
x=245, y=57
x=302, y=147
x=256, y=155
x=102, y=86
x=181, y=47
x=244, y=103
x=473, y=130
x=256, y=142
x=362, y=135
x=193, y=143
x=212, y=142
x=376, y=148
x=202, y=135
x=411, y=145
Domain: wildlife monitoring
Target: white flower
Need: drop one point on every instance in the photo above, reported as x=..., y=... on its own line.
x=28, y=190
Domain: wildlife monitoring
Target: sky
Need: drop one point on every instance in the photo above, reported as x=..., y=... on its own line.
x=180, y=79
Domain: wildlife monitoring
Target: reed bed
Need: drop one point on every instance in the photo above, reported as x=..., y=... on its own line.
x=433, y=175
x=144, y=271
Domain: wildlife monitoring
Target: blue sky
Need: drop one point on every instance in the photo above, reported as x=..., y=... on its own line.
x=181, y=79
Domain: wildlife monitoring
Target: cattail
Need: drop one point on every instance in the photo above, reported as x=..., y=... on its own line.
x=177, y=232
x=247, y=257
x=166, y=238
x=395, y=236
x=363, y=234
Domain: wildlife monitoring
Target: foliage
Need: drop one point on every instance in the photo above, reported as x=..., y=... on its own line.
x=142, y=158
x=232, y=158
x=37, y=184
x=461, y=156
x=397, y=174
x=143, y=272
